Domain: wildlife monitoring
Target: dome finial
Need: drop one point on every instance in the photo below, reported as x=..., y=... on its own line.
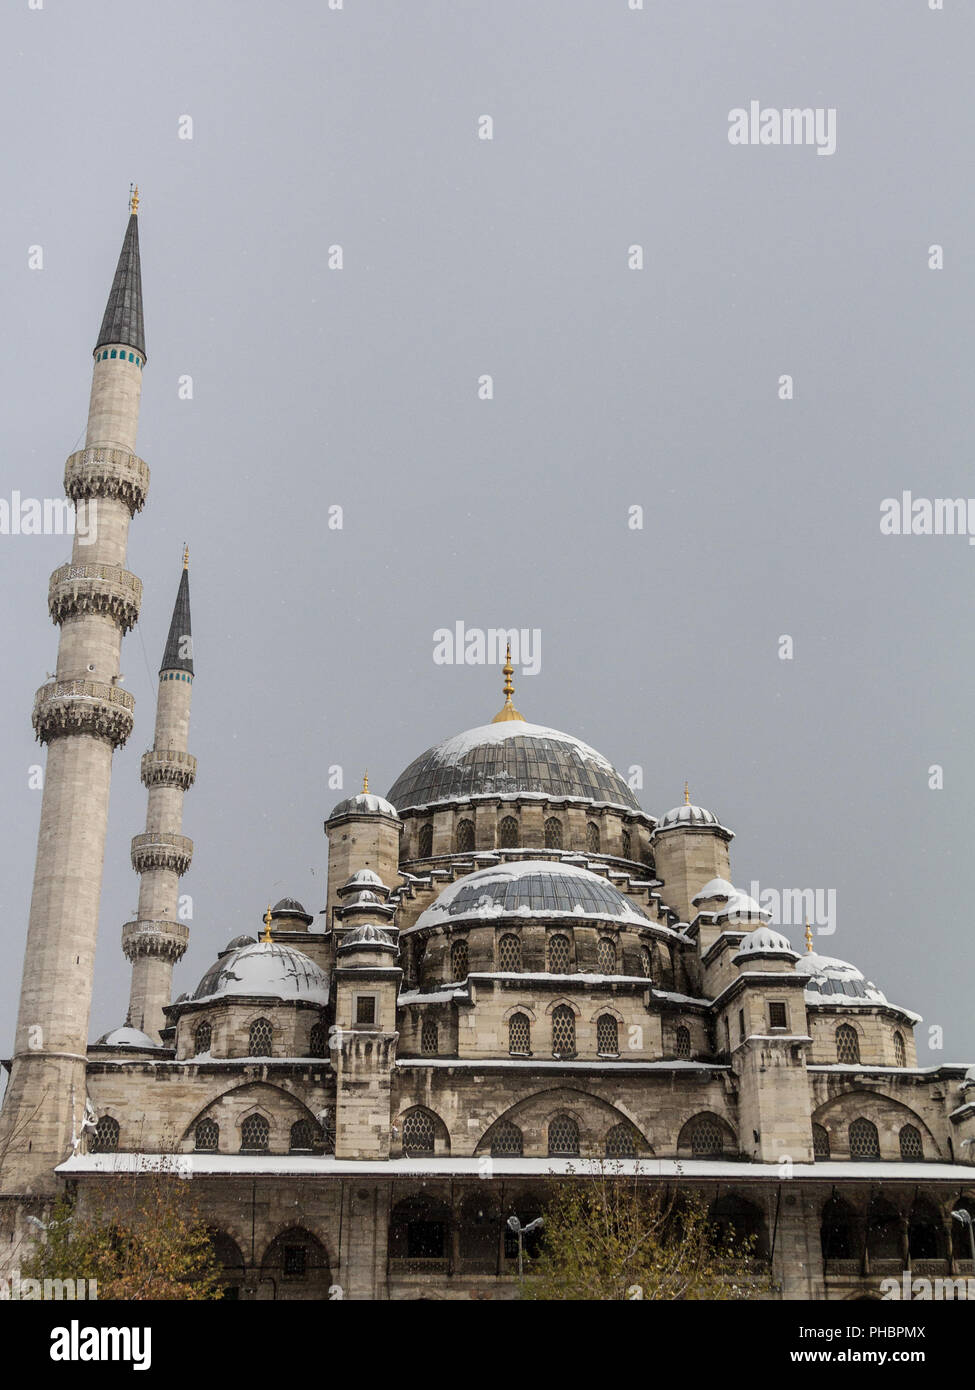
x=687, y=795
x=809, y=937
x=133, y=198
x=186, y=557
x=266, y=938
x=507, y=710
x=365, y=782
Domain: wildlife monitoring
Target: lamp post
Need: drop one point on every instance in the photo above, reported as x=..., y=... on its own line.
x=521, y=1231
x=963, y=1215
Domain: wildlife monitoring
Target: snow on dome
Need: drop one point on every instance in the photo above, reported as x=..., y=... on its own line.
x=126, y=1037
x=510, y=758
x=715, y=888
x=290, y=907
x=368, y=934
x=265, y=969
x=364, y=804
x=363, y=876
x=686, y=815
x=530, y=888
x=764, y=939
x=237, y=943
x=830, y=981
x=364, y=898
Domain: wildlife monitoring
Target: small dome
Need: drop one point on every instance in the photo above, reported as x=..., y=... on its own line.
x=742, y=908
x=830, y=981
x=531, y=888
x=714, y=888
x=364, y=804
x=290, y=907
x=363, y=899
x=126, y=1037
x=368, y=934
x=686, y=815
x=363, y=877
x=763, y=940
x=237, y=943
x=265, y=969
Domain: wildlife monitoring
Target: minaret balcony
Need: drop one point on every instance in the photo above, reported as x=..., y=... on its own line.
x=163, y=940
x=162, y=850
x=83, y=707
x=168, y=767
x=104, y=472
x=104, y=589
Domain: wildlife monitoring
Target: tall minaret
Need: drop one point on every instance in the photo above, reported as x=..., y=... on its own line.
x=82, y=715
x=157, y=940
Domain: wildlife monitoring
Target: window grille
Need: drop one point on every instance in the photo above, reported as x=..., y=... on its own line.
x=900, y=1051
x=563, y=1031
x=621, y=1142
x=508, y=833
x=254, y=1135
x=507, y=1141
x=459, y=962
x=302, y=1137
x=553, y=833
x=509, y=952
x=202, y=1038
x=318, y=1041
x=592, y=837
x=418, y=1134
x=607, y=1034
x=563, y=1137
x=646, y=962
x=260, y=1038
x=820, y=1142
x=365, y=1009
x=428, y=1037
x=911, y=1146
x=864, y=1139
x=105, y=1137
x=847, y=1044
x=606, y=956
x=465, y=836
x=625, y=844
x=777, y=1016
x=519, y=1035
x=682, y=1041
x=706, y=1138
x=424, y=841
x=206, y=1137
x=558, y=955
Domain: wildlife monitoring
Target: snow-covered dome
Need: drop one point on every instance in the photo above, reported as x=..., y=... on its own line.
x=265, y=969
x=742, y=908
x=510, y=758
x=715, y=888
x=290, y=907
x=830, y=981
x=363, y=877
x=126, y=1037
x=531, y=888
x=368, y=934
x=686, y=814
x=364, y=804
x=762, y=940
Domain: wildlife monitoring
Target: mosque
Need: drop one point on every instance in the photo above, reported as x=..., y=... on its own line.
x=519, y=977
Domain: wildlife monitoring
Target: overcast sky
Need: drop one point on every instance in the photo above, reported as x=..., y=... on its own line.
x=613, y=388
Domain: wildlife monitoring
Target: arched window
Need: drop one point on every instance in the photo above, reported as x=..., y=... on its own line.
x=465, y=836
x=621, y=1141
x=847, y=1044
x=418, y=1229
x=607, y=1035
x=418, y=1135
x=519, y=1035
x=606, y=956
x=911, y=1145
x=646, y=962
x=706, y=1138
x=104, y=1140
x=260, y=1038
x=734, y=1220
x=563, y=1031
x=206, y=1137
x=900, y=1051
x=563, y=1137
x=592, y=837
x=254, y=1135
x=424, y=841
x=864, y=1139
x=820, y=1142
x=302, y=1137
x=625, y=844
x=318, y=1041
x=508, y=833
x=428, y=1037
x=558, y=954
x=553, y=833
x=507, y=1140
x=202, y=1038
x=682, y=1041
x=509, y=952
x=459, y=960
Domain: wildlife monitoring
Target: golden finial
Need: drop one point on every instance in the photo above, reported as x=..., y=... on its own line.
x=507, y=710
x=809, y=936
x=687, y=795
x=365, y=782
x=186, y=557
x=266, y=938
x=133, y=197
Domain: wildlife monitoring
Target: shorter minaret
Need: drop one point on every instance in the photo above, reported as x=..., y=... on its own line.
x=157, y=940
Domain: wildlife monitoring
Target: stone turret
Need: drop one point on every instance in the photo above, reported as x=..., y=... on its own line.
x=363, y=832
x=690, y=847
x=156, y=940
x=367, y=982
x=82, y=715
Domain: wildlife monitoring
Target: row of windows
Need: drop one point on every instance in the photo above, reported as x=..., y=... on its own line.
x=848, y=1046
x=563, y=1035
x=122, y=356
x=175, y=676
x=864, y=1141
x=559, y=956
x=255, y=1133
x=260, y=1039
x=509, y=837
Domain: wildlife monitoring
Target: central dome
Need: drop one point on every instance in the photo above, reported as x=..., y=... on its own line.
x=512, y=758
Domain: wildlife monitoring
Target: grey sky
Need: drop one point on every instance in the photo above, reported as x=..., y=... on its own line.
x=612, y=387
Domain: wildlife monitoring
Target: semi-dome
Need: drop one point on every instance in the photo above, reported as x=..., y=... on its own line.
x=763, y=940
x=532, y=888
x=830, y=981
x=265, y=969
x=510, y=758
x=126, y=1037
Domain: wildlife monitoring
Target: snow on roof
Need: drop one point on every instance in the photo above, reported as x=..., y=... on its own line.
x=715, y=888
x=126, y=1037
x=832, y=981
x=266, y=969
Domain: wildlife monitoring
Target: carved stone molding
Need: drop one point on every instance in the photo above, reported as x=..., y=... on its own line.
x=165, y=940
x=113, y=473
x=109, y=589
x=168, y=767
x=161, y=850
x=83, y=707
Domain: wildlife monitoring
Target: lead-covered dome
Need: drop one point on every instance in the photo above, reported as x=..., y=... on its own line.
x=265, y=970
x=126, y=1037
x=831, y=981
x=532, y=888
x=511, y=758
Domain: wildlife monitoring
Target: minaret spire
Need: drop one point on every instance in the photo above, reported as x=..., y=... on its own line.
x=122, y=321
x=157, y=939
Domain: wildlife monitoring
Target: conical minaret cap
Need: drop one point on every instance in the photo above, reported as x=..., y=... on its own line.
x=122, y=322
x=178, y=655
